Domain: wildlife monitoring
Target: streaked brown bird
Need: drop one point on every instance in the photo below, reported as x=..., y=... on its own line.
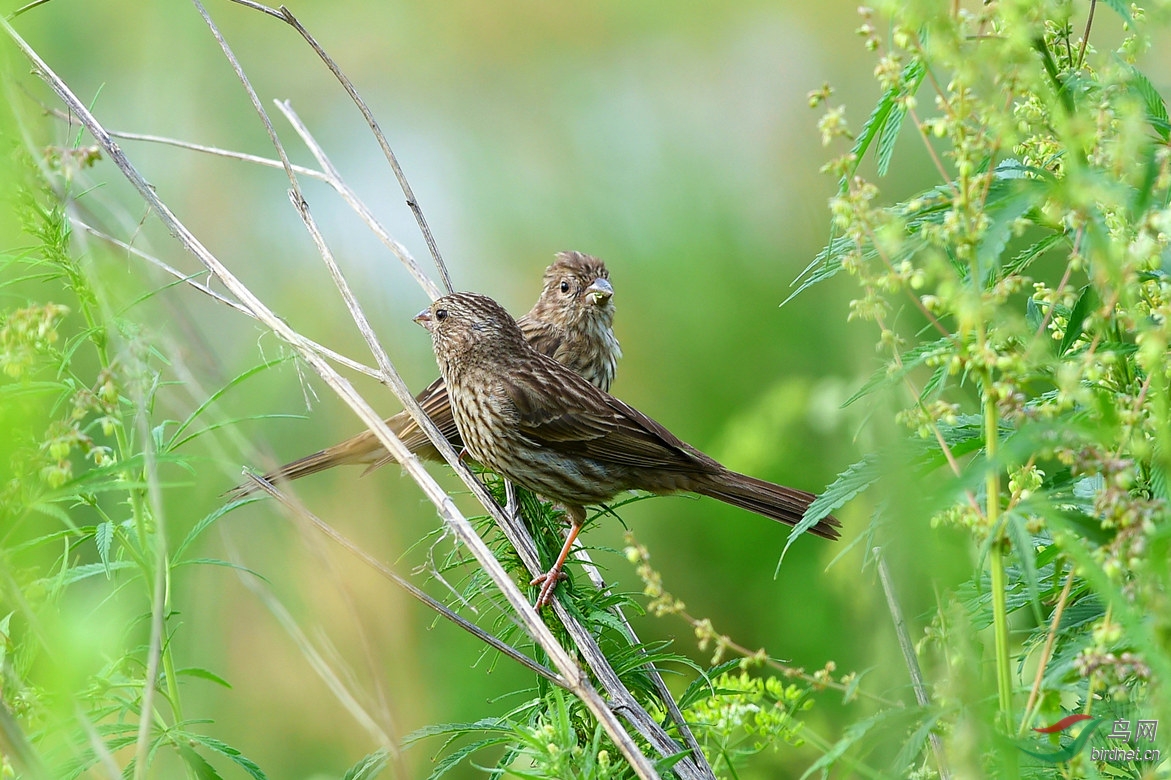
x=571, y=322
x=533, y=421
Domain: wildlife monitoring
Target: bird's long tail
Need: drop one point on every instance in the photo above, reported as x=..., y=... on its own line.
x=365, y=447
x=356, y=450
x=784, y=504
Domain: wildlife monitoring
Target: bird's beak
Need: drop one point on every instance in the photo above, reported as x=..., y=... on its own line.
x=424, y=318
x=600, y=291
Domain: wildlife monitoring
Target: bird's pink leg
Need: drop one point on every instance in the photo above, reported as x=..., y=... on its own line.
x=549, y=579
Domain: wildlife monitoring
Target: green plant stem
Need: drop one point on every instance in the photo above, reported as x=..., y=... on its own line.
x=996, y=560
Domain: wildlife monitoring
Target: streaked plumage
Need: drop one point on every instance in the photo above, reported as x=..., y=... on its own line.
x=528, y=418
x=571, y=322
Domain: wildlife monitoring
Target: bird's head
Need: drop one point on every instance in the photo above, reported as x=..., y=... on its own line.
x=464, y=324
x=577, y=286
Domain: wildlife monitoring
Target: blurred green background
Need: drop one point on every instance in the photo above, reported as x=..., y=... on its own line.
x=672, y=140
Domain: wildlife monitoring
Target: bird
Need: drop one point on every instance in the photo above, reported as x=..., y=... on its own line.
x=536, y=423
x=572, y=322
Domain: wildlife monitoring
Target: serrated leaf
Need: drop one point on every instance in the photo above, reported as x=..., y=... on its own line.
x=913, y=746
x=908, y=85
x=454, y=758
x=910, y=359
x=881, y=115
x=848, y=484
x=855, y=732
x=87, y=570
x=226, y=750
x=1025, y=257
x=825, y=266
x=103, y=536
x=1002, y=212
x=703, y=687
x=1153, y=102
x=934, y=383
x=200, y=527
x=455, y=729
x=211, y=400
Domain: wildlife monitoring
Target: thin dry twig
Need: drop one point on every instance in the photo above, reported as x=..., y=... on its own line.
x=330, y=177
x=324, y=669
x=285, y=15
x=1046, y=652
x=414, y=592
x=191, y=281
x=912, y=661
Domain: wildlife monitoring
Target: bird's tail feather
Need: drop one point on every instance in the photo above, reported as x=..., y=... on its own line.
x=352, y=451
x=783, y=504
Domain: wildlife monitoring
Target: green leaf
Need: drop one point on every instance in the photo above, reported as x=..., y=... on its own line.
x=1121, y=9
x=1026, y=554
x=21, y=389
x=454, y=758
x=87, y=570
x=1033, y=314
x=200, y=527
x=369, y=767
x=911, y=359
x=1152, y=100
x=702, y=687
x=879, y=119
x=197, y=763
x=211, y=399
x=854, y=734
x=103, y=536
x=914, y=745
x=226, y=750
x=848, y=484
x=204, y=674
x=1077, y=318
x=1026, y=257
x=1003, y=209
x=825, y=266
x=455, y=729
x=889, y=132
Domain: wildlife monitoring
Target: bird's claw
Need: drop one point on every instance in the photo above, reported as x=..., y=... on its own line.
x=548, y=582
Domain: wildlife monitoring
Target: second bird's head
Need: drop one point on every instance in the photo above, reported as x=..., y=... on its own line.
x=577, y=286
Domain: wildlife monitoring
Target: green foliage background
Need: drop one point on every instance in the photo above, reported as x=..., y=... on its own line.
x=673, y=143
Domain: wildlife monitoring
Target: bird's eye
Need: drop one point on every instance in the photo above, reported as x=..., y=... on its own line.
x=440, y=314
x=564, y=286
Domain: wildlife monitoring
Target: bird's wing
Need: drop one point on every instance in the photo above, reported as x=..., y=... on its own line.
x=542, y=336
x=434, y=399
x=559, y=410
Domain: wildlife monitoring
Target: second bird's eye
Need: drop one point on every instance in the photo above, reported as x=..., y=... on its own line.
x=441, y=314
x=564, y=286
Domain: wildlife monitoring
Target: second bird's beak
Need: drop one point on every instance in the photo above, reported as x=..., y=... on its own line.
x=424, y=318
x=600, y=291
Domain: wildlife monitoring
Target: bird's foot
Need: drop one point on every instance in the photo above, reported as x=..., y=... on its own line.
x=548, y=582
